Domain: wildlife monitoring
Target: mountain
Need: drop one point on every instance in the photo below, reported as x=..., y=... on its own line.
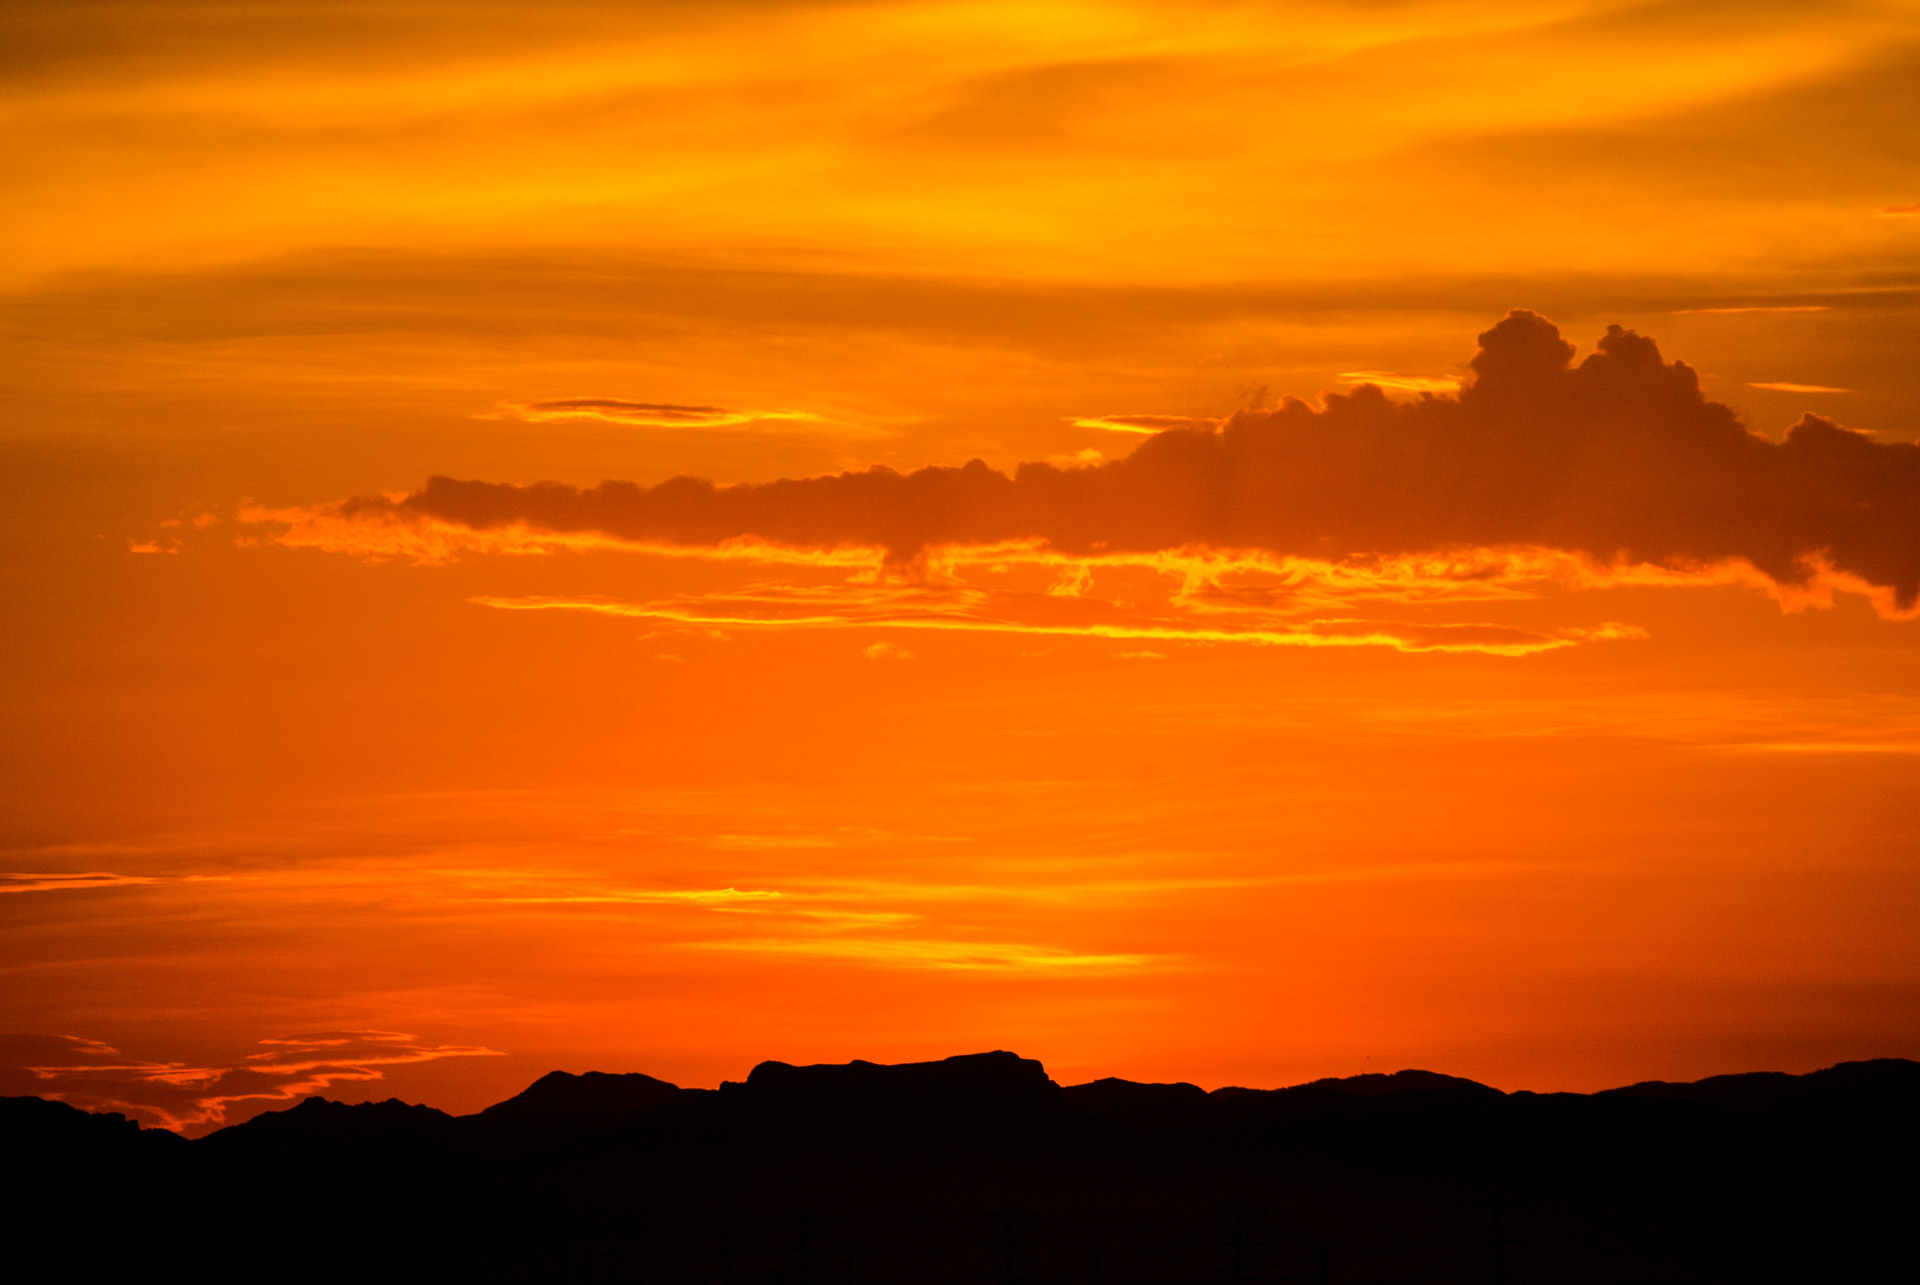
x=317, y=1126
x=558, y=1107
x=1758, y=1091
x=982, y=1168
x=38, y=1127
x=88, y=1194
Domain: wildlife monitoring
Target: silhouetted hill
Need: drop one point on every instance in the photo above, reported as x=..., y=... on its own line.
x=39, y=1125
x=981, y=1168
x=559, y=1107
x=317, y=1125
x=88, y=1194
x=969, y=1084
x=1757, y=1091
x=1150, y=1108
x=1376, y=1085
x=973, y=1100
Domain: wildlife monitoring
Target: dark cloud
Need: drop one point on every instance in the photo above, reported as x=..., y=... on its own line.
x=1618, y=457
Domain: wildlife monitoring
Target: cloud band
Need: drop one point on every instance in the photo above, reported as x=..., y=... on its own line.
x=1619, y=458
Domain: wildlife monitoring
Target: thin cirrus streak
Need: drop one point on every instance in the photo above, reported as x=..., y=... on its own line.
x=782, y=607
x=431, y=542
x=1782, y=386
x=713, y=898
x=641, y=414
x=1402, y=383
x=968, y=956
x=1755, y=307
x=185, y=1096
x=25, y=882
x=1826, y=747
x=852, y=921
x=1145, y=425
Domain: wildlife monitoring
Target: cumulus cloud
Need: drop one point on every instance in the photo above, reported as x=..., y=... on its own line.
x=1618, y=458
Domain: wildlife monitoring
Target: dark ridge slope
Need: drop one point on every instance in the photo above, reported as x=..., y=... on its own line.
x=318, y=1125
x=558, y=1107
x=1757, y=1091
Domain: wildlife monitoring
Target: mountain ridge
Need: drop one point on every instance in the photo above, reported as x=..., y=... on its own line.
x=920, y=1170
x=562, y=1106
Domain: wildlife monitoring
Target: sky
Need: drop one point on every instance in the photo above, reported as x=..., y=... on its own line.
x=1227, y=542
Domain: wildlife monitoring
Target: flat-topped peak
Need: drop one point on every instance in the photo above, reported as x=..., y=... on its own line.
x=998, y=1069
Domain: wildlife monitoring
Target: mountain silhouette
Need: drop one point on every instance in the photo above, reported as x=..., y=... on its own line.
x=1757, y=1091
x=981, y=1168
x=317, y=1126
x=559, y=1107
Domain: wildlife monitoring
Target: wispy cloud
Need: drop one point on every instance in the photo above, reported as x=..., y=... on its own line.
x=643, y=414
x=1825, y=746
x=1402, y=383
x=430, y=542
x=969, y=956
x=882, y=607
x=66, y=882
x=1756, y=307
x=1143, y=424
x=1780, y=386
x=192, y=1097
x=718, y=898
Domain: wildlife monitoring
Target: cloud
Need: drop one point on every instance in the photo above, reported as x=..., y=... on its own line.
x=1618, y=460
x=713, y=898
x=966, y=956
x=646, y=414
x=1758, y=307
x=64, y=882
x=1782, y=387
x=1144, y=424
x=194, y=1097
x=961, y=609
x=1402, y=383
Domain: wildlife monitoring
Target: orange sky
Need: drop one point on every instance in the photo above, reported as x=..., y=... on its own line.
x=1511, y=755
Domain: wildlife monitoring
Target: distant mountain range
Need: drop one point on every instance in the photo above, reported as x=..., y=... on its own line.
x=981, y=1168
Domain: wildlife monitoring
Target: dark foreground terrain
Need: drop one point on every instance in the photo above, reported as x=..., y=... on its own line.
x=981, y=1169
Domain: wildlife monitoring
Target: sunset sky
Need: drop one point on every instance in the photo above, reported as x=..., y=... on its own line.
x=1348, y=653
